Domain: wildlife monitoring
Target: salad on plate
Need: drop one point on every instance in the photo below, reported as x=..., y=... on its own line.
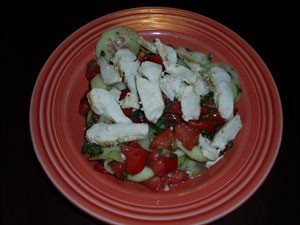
x=155, y=114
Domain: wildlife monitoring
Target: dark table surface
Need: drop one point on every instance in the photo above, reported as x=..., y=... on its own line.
x=33, y=31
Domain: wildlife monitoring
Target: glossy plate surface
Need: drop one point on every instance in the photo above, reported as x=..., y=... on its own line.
x=57, y=127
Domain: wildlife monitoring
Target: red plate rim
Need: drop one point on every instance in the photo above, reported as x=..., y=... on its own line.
x=203, y=204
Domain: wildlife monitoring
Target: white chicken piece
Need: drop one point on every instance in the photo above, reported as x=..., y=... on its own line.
x=210, y=152
x=224, y=99
x=227, y=132
x=172, y=86
x=190, y=77
x=109, y=73
x=209, y=163
x=149, y=90
x=151, y=71
x=212, y=149
x=128, y=66
x=103, y=102
x=190, y=104
x=167, y=53
x=131, y=100
x=109, y=134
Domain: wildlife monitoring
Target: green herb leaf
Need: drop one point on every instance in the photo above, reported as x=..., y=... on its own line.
x=91, y=148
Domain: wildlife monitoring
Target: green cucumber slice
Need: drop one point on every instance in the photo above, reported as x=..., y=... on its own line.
x=115, y=38
x=97, y=82
x=195, y=153
x=193, y=56
x=145, y=174
x=192, y=167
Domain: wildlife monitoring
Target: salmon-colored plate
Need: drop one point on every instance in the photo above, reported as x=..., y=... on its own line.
x=57, y=127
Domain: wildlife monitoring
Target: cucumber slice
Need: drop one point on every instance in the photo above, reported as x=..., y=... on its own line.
x=192, y=167
x=179, y=152
x=145, y=143
x=236, y=90
x=104, y=119
x=182, y=63
x=193, y=56
x=181, y=160
x=119, y=86
x=145, y=174
x=89, y=117
x=115, y=38
x=195, y=153
x=97, y=82
x=181, y=157
x=110, y=153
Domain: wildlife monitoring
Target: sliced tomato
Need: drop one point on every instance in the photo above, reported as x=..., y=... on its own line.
x=217, y=119
x=212, y=114
x=123, y=94
x=155, y=183
x=172, y=119
x=176, y=177
x=171, y=163
x=118, y=168
x=204, y=111
x=84, y=106
x=165, y=139
x=99, y=167
x=187, y=135
x=135, y=159
x=202, y=124
x=154, y=58
x=141, y=56
x=156, y=162
x=127, y=112
x=175, y=108
x=92, y=69
x=135, y=144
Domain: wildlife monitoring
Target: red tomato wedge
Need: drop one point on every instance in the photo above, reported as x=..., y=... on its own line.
x=154, y=58
x=161, y=164
x=171, y=163
x=135, y=144
x=156, y=162
x=165, y=139
x=175, y=108
x=99, y=167
x=118, y=169
x=212, y=114
x=155, y=183
x=135, y=159
x=123, y=94
x=202, y=124
x=92, y=70
x=84, y=106
x=187, y=135
x=176, y=177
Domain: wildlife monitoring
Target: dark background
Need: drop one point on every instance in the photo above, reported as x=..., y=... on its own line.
x=33, y=31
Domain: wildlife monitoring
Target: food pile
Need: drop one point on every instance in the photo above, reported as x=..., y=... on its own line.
x=155, y=114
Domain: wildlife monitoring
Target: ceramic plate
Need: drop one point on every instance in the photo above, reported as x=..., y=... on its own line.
x=57, y=128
